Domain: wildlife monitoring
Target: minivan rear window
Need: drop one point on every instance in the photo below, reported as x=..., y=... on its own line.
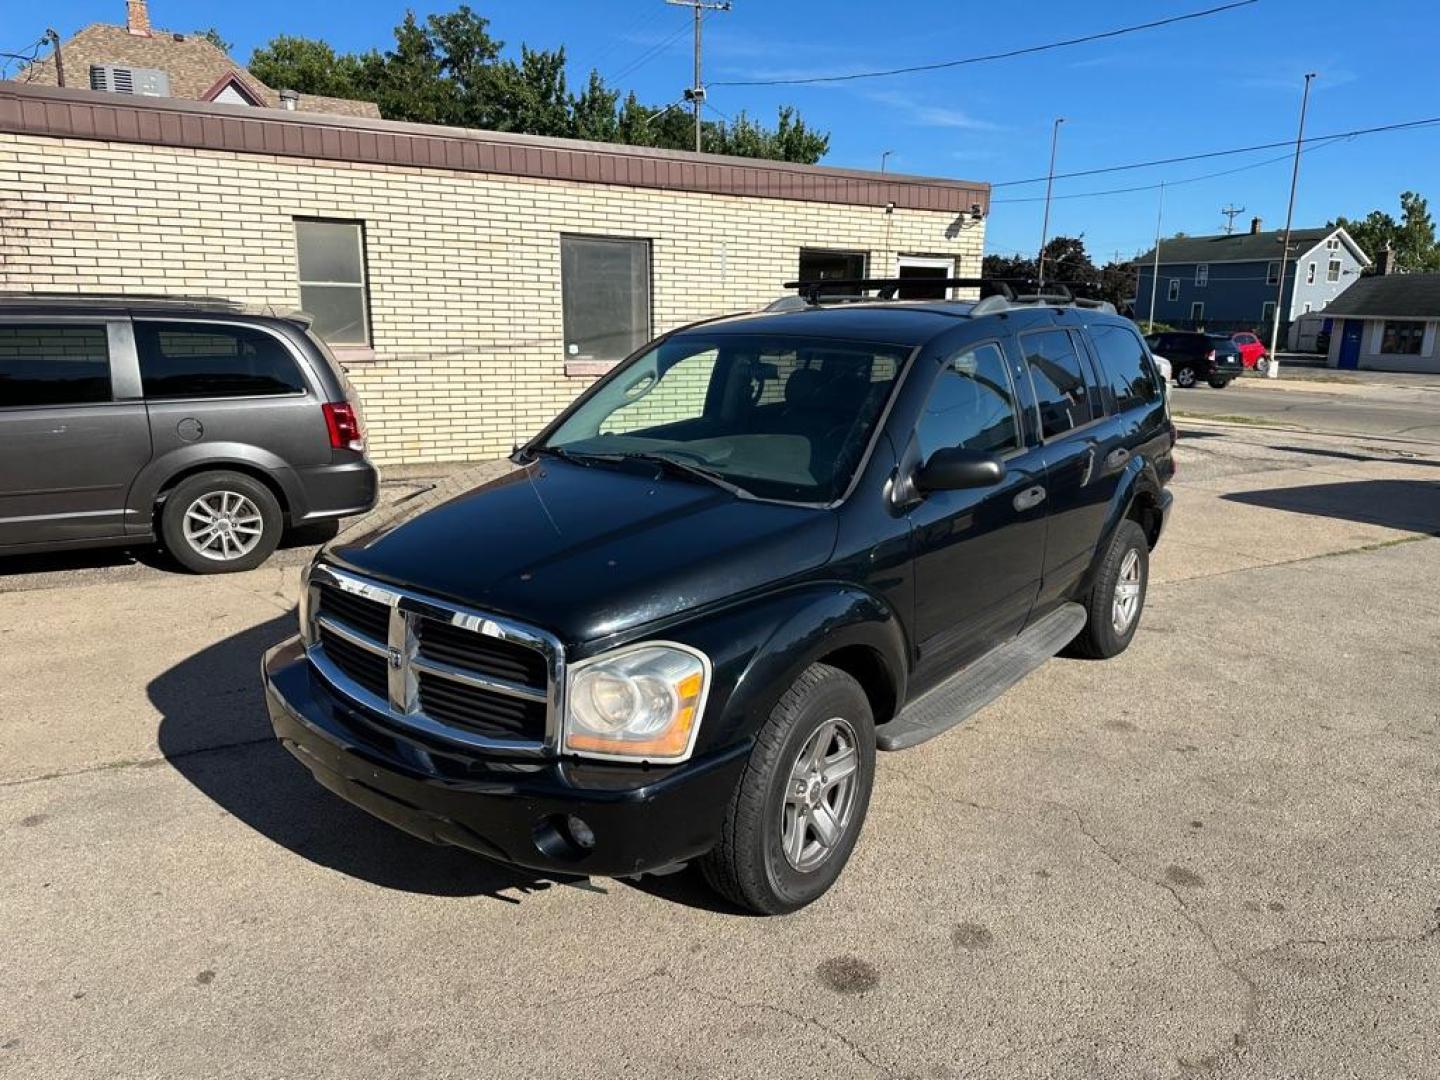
x=53, y=365
x=195, y=360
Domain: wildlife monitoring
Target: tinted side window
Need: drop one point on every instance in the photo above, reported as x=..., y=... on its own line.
x=53, y=365
x=1128, y=369
x=971, y=405
x=193, y=360
x=1061, y=390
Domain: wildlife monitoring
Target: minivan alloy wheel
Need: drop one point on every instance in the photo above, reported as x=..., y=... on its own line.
x=223, y=525
x=820, y=801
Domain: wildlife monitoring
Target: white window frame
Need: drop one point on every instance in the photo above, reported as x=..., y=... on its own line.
x=929, y=262
x=1197, y=306
x=1272, y=273
x=1332, y=271
x=1202, y=275
x=1307, y=308
x=1332, y=244
x=1310, y=273
x=1173, y=290
x=1267, y=312
x=363, y=284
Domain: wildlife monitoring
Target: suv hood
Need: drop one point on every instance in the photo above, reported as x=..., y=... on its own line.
x=583, y=551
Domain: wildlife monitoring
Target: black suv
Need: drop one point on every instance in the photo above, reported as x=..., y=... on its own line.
x=682, y=623
x=199, y=422
x=1195, y=357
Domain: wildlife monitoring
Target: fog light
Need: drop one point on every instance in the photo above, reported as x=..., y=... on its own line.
x=580, y=832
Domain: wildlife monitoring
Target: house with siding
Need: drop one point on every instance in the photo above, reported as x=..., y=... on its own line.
x=139, y=59
x=472, y=282
x=1230, y=281
x=1388, y=322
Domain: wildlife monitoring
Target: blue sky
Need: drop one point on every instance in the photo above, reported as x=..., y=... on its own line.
x=1229, y=80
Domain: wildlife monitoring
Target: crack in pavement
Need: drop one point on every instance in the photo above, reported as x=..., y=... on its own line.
x=136, y=763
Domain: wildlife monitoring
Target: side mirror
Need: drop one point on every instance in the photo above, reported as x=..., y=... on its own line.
x=958, y=469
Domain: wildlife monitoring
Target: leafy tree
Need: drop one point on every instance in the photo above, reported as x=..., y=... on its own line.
x=1412, y=238
x=448, y=69
x=1066, y=263
x=212, y=35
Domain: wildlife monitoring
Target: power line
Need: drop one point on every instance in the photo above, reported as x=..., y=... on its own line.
x=1026, y=51
x=648, y=55
x=1223, y=153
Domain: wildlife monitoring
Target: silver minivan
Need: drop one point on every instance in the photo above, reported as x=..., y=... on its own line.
x=205, y=425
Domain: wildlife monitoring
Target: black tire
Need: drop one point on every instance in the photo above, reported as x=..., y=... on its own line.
x=222, y=488
x=1185, y=376
x=1219, y=382
x=748, y=866
x=1100, y=639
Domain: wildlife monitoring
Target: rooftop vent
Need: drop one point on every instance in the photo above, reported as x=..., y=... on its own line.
x=119, y=79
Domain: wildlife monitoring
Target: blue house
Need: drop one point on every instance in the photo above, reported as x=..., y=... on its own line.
x=1230, y=282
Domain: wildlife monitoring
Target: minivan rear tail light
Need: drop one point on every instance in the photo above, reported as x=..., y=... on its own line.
x=343, y=423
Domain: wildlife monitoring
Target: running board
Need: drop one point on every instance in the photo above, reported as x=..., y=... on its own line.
x=967, y=692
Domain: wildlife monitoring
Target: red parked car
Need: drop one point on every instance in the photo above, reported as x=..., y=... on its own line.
x=1252, y=349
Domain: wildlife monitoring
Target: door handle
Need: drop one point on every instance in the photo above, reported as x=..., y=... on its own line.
x=1116, y=458
x=1030, y=498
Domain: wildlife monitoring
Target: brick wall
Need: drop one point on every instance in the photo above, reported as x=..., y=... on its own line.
x=464, y=269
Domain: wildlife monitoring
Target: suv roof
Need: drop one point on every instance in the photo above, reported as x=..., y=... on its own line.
x=18, y=303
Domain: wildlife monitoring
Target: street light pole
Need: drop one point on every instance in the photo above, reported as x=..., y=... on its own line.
x=1274, y=371
x=1155, y=271
x=696, y=93
x=1045, y=225
x=883, y=156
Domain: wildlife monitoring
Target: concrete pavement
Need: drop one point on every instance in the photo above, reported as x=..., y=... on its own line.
x=1212, y=856
x=1408, y=411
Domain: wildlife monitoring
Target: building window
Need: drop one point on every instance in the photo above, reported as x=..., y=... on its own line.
x=817, y=264
x=1267, y=312
x=1307, y=308
x=53, y=365
x=333, y=287
x=1202, y=275
x=1174, y=293
x=1272, y=274
x=1402, y=338
x=1333, y=244
x=1332, y=271
x=1310, y=274
x=605, y=296
x=1197, y=311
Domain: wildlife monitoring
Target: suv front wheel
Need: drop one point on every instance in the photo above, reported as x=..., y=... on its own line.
x=797, y=811
x=221, y=522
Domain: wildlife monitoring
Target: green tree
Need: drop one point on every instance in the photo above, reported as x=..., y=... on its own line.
x=448, y=69
x=212, y=35
x=1412, y=238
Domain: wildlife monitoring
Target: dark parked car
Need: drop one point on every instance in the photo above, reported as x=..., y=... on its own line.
x=682, y=623
x=200, y=423
x=1195, y=357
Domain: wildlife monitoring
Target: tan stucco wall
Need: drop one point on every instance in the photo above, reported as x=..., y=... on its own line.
x=464, y=268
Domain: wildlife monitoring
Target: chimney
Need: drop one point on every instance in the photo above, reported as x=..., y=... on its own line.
x=1385, y=261
x=137, y=18
x=1254, y=226
x=289, y=100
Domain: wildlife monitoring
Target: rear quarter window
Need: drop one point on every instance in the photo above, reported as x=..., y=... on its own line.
x=198, y=360
x=1126, y=364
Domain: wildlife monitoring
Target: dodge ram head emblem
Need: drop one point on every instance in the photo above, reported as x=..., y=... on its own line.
x=395, y=658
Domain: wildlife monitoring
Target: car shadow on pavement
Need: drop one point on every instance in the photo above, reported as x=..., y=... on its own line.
x=1412, y=505
x=215, y=732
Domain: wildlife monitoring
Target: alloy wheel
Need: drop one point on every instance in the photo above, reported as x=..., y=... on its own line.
x=1126, y=603
x=223, y=525
x=820, y=797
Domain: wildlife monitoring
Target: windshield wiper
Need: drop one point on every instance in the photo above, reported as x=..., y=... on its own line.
x=566, y=455
x=684, y=468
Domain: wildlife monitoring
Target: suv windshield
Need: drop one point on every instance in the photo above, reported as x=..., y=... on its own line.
x=775, y=417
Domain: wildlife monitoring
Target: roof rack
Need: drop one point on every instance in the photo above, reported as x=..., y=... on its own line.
x=816, y=291
x=112, y=301
x=997, y=294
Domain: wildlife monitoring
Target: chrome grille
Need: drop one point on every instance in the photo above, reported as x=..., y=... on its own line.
x=447, y=671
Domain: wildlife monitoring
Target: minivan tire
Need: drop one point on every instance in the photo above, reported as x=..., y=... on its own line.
x=236, y=504
x=749, y=865
x=1126, y=565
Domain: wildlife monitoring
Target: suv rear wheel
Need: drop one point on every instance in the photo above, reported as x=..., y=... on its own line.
x=797, y=811
x=1185, y=376
x=220, y=522
x=1118, y=595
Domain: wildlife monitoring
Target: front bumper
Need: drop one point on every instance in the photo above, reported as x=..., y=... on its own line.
x=511, y=811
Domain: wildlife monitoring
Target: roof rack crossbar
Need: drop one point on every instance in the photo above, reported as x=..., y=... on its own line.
x=814, y=291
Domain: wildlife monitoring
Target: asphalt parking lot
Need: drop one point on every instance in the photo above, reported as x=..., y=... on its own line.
x=1213, y=856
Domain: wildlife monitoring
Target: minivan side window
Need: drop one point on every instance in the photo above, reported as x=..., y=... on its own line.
x=199, y=360
x=1060, y=379
x=1122, y=355
x=971, y=405
x=53, y=365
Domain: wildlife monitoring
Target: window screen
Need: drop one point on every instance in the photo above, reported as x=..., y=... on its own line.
x=605, y=293
x=970, y=406
x=53, y=365
x=195, y=360
x=1127, y=368
x=1059, y=379
x=332, y=279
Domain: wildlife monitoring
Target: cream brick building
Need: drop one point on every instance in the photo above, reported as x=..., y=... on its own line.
x=458, y=343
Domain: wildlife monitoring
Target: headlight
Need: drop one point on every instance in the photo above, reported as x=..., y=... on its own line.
x=639, y=703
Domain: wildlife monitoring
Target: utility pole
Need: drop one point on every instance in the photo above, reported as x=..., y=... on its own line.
x=1231, y=212
x=1045, y=225
x=59, y=60
x=695, y=94
x=1155, y=271
x=1274, y=371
